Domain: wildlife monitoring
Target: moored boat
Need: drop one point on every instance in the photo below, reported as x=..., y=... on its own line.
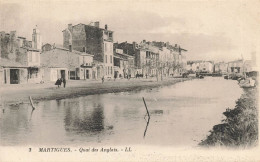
x=247, y=83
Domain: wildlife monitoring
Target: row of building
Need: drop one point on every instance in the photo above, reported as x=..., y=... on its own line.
x=239, y=66
x=88, y=52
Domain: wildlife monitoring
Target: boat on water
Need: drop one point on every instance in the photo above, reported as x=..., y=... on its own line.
x=199, y=75
x=226, y=77
x=247, y=83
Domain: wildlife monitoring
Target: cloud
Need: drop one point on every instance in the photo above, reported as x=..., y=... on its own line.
x=203, y=28
x=198, y=45
x=10, y=16
x=136, y=22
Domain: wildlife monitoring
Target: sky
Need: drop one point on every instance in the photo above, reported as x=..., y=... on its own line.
x=210, y=30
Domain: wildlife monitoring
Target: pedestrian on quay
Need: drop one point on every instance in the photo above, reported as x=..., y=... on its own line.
x=103, y=79
x=115, y=76
x=64, y=82
x=58, y=82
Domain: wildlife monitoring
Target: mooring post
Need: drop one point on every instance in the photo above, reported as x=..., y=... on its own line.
x=146, y=108
x=33, y=107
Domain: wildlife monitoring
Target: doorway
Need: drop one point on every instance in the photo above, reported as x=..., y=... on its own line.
x=87, y=74
x=14, y=76
x=62, y=73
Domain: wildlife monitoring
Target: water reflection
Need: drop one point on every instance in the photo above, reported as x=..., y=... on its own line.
x=83, y=118
x=31, y=114
x=180, y=114
x=147, y=124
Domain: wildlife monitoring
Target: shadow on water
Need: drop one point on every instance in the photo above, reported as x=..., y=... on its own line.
x=83, y=119
x=112, y=118
x=31, y=114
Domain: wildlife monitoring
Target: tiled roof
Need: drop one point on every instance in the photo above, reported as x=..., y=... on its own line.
x=56, y=48
x=30, y=49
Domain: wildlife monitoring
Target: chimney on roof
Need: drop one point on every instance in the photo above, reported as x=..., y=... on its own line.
x=70, y=27
x=96, y=24
x=13, y=34
x=106, y=26
x=134, y=45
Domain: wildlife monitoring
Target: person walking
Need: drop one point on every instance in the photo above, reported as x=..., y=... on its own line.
x=103, y=79
x=58, y=82
x=64, y=82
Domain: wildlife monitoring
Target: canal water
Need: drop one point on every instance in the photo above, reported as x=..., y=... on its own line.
x=181, y=115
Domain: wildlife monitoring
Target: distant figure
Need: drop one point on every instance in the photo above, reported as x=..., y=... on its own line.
x=103, y=79
x=64, y=82
x=115, y=76
x=58, y=82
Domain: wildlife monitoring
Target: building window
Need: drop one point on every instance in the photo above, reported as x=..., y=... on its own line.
x=111, y=70
x=110, y=59
x=106, y=59
x=105, y=47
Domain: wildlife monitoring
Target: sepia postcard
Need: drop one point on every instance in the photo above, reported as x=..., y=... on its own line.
x=132, y=80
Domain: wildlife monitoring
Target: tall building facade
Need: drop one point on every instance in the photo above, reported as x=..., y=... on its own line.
x=36, y=39
x=93, y=40
x=20, y=61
